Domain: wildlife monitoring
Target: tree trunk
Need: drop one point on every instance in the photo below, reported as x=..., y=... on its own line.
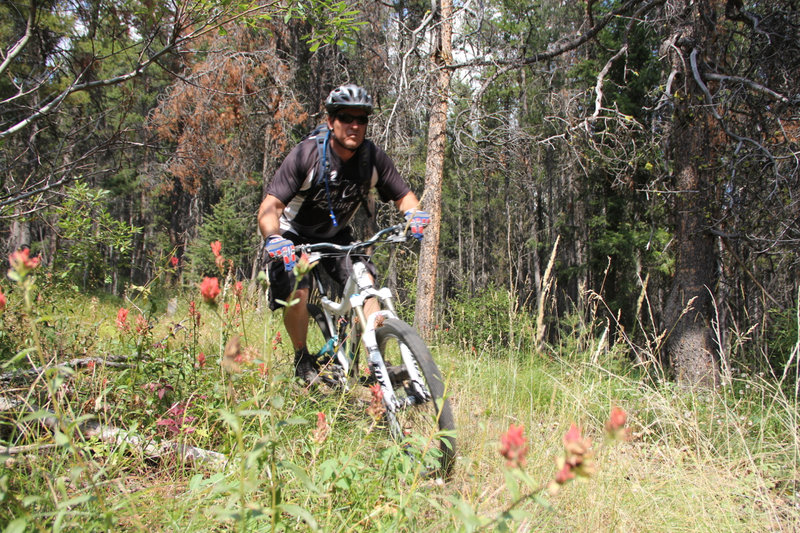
x=690, y=347
x=434, y=170
x=690, y=344
x=20, y=233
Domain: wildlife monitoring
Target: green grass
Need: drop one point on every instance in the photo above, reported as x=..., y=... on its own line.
x=722, y=460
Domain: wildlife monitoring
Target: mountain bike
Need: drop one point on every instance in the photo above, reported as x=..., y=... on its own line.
x=398, y=360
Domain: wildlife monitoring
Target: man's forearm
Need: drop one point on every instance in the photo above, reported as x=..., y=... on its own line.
x=407, y=202
x=269, y=225
x=269, y=216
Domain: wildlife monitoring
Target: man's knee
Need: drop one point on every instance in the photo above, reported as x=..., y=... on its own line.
x=296, y=305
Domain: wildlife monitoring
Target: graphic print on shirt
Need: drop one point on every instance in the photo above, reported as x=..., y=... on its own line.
x=309, y=214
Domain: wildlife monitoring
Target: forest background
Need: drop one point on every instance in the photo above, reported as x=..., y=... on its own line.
x=621, y=172
x=657, y=141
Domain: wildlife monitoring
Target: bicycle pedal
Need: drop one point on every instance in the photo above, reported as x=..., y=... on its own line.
x=367, y=380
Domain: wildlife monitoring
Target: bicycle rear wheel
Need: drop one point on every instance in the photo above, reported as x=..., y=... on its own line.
x=423, y=416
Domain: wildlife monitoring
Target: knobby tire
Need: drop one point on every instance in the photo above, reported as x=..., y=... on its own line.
x=430, y=421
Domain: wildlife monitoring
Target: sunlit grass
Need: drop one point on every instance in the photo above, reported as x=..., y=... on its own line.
x=723, y=460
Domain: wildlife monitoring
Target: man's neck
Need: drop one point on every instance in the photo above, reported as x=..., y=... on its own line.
x=344, y=153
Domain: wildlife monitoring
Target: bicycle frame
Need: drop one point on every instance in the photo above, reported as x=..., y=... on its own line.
x=358, y=288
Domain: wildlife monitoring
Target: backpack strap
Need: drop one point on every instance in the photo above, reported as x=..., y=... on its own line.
x=325, y=169
x=365, y=169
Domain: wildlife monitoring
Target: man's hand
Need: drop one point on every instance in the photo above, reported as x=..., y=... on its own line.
x=277, y=247
x=417, y=220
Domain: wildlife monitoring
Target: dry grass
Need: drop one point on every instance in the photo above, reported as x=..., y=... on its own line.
x=693, y=463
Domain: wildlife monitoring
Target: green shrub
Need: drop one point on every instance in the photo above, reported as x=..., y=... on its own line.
x=92, y=244
x=233, y=223
x=490, y=318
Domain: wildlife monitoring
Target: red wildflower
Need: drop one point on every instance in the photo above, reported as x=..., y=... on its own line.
x=376, y=407
x=3, y=300
x=276, y=341
x=514, y=446
x=173, y=261
x=216, y=248
x=201, y=359
x=578, y=452
x=615, y=426
x=577, y=460
x=572, y=438
x=320, y=434
x=565, y=474
x=90, y=365
x=142, y=326
x=194, y=314
x=21, y=262
x=263, y=369
x=303, y=266
x=122, y=319
x=237, y=289
x=209, y=290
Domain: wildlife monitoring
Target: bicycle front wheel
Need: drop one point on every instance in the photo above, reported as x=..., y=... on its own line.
x=422, y=416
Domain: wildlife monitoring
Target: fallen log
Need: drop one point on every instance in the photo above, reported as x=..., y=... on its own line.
x=115, y=437
x=18, y=376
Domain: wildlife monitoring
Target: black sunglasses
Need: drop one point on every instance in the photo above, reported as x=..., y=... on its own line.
x=346, y=118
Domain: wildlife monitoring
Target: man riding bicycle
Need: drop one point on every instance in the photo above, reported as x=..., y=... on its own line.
x=314, y=196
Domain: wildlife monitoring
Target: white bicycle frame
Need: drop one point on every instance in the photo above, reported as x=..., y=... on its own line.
x=357, y=289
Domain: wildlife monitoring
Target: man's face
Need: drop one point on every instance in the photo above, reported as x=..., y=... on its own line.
x=347, y=130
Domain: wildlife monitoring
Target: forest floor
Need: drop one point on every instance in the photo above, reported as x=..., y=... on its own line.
x=267, y=460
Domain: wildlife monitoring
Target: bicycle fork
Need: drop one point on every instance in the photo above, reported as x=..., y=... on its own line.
x=378, y=365
x=374, y=357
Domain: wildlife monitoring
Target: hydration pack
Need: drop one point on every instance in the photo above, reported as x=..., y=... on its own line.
x=321, y=134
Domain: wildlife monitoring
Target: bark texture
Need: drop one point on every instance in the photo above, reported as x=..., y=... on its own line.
x=690, y=347
x=434, y=172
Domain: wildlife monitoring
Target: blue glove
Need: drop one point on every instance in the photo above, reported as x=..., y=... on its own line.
x=277, y=247
x=417, y=220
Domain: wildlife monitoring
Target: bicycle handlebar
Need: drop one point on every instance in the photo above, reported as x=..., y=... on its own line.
x=394, y=233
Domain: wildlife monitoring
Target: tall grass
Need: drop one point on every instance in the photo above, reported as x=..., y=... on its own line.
x=721, y=460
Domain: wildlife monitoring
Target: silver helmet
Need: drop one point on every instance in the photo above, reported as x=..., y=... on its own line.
x=348, y=96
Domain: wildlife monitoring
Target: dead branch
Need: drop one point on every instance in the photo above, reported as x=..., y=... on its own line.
x=598, y=89
x=184, y=452
x=710, y=102
x=568, y=46
x=116, y=437
x=20, y=44
x=176, y=40
x=26, y=375
x=750, y=83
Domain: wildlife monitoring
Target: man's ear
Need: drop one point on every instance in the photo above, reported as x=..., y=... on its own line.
x=330, y=122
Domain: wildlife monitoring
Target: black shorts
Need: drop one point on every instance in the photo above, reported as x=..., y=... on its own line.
x=338, y=269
